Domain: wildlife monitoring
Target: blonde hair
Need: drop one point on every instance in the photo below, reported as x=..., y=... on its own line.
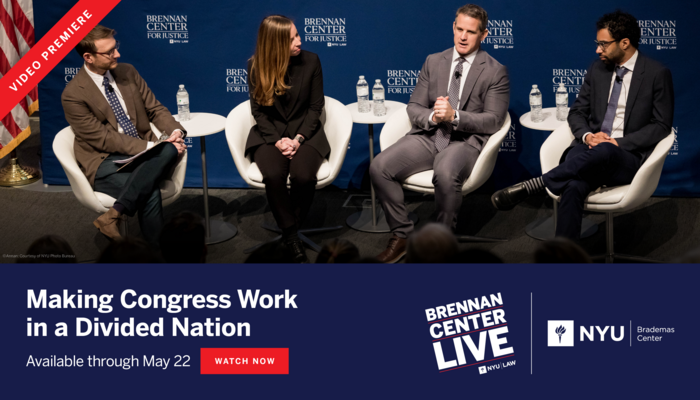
x=271, y=59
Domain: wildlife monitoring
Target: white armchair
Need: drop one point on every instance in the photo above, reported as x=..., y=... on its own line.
x=610, y=199
x=397, y=126
x=170, y=189
x=337, y=123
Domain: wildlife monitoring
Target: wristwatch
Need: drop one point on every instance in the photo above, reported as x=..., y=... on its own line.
x=300, y=139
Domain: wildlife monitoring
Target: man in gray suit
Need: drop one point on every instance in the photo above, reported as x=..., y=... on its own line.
x=461, y=98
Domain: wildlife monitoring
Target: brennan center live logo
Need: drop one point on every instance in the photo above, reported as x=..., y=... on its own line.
x=172, y=28
x=471, y=332
x=659, y=34
x=500, y=34
x=237, y=80
x=326, y=30
x=401, y=81
x=571, y=78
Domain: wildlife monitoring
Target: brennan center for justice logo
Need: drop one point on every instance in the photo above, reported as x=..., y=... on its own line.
x=509, y=143
x=171, y=28
x=674, y=148
x=236, y=80
x=500, y=34
x=330, y=31
x=70, y=73
x=401, y=81
x=658, y=34
x=571, y=78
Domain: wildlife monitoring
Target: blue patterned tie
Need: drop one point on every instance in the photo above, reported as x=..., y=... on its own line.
x=444, y=131
x=122, y=119
x=612, y=103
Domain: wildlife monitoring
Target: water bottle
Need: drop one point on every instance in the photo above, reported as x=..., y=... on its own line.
x=183, y=104
x=378, y=98
x=562, y=103
x=362, y=95
x=536, y=105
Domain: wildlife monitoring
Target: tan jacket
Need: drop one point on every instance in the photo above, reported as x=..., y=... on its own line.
x=95, y=126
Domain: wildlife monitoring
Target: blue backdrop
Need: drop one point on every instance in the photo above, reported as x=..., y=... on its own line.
x=205, y=46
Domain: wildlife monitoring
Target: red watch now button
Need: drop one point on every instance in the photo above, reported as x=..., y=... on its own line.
x=244, y=361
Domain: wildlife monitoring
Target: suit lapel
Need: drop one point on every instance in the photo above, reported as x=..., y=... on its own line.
x=474, y=72
x=94, y=97
x=127, y=95
x=637, y=78
x=443, y=78
x=604, y=93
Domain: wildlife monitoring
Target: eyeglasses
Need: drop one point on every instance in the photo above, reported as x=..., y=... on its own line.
x=111, y=52
x=604, y=45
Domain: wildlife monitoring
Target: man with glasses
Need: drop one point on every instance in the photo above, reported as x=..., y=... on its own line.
x=110, y=108
x=624, y=108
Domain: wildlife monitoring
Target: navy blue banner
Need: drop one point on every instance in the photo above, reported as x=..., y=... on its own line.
x=205, y=47
x=351, y=332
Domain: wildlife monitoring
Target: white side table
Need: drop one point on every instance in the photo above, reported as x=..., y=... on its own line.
x=545, y=228
x=373, y=222
x=201, y=125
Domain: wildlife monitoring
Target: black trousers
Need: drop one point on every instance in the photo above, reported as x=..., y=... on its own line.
x=289, y=207
x=137, y=186
x=583, y=171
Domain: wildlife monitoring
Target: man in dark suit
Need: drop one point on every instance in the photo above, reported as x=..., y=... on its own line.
x=461, y=98
x=110, y=108
x=624, y=108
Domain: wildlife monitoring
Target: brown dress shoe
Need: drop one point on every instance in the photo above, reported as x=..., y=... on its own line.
x=108, y=224
x=395, y=249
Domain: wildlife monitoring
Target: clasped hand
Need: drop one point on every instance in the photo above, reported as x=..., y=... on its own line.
x=176, y=139
x=595, y=139
x=287, y=147
x=442, y=110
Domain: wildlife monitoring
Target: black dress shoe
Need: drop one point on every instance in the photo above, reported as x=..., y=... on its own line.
x=296, y=246
x=506, y=199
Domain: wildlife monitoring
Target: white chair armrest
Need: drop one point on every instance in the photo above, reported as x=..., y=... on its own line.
x=555, y=145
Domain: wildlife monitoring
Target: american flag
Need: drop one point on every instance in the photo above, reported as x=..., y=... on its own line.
x=16, y=38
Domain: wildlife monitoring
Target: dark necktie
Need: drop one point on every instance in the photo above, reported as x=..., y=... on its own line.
x=444, y=131
x=122, y=119
x=612, y=103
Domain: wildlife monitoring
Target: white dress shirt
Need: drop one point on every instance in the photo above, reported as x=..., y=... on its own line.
x=463, y=78
x=618, y=126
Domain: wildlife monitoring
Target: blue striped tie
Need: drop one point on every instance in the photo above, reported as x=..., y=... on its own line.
x=444, y=131
x=612, y=103
x=122, y=119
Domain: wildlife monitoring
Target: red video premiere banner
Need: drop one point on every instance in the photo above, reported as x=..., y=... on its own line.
x=244, y=361
x=50, y=50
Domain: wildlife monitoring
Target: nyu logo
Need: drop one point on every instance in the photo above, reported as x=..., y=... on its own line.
x=561, y=333
x=500, y=33
x=237, y=80
x=674, y=148
x=169, y=27
x=329, y=30
x=70, y=74
x=401, y=81
x=509, y=143
x=571, y=78
x=658, y=33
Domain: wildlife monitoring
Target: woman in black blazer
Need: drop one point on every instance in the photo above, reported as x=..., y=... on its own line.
x=286, y=99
